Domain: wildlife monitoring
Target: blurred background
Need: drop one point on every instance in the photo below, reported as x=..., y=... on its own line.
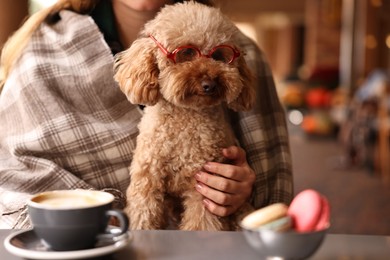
x=331, y=64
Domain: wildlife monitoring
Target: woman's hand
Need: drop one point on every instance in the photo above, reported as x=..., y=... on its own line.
x=226, y=187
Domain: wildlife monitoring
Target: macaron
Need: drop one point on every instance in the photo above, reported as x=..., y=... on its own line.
x=280, y=224
x=265, y=216
x=310, y=211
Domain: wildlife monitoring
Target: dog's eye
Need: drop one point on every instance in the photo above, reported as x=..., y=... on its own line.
x=186, y=54
x=223, y=53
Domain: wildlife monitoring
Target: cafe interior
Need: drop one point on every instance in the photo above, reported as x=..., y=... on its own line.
x=331, y=65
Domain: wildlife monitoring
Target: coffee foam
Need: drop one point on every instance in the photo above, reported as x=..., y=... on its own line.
x=71, y=199
x=68, y=202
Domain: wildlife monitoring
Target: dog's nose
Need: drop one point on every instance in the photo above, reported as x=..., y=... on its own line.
x=208, y=86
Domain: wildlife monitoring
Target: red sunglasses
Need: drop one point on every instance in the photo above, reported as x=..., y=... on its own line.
x=224, y=53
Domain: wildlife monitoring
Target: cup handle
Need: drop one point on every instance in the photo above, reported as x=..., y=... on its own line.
x=123, y=224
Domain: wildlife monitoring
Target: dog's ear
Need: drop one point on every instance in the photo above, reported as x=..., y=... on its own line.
x=247, y=97
x=137, y=73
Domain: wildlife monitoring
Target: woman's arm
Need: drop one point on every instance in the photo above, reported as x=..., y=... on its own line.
x=263, y=134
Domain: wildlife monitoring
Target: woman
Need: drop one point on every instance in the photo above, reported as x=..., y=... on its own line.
x=65, y=124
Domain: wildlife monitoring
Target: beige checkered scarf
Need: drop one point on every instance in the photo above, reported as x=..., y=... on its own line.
x=64, y=124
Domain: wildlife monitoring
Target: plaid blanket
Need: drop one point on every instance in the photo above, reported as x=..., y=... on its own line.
x=64, y=123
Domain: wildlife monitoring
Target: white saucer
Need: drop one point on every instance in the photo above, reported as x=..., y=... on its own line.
x=26, y=244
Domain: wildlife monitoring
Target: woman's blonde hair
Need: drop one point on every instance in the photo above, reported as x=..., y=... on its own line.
x=18, y=41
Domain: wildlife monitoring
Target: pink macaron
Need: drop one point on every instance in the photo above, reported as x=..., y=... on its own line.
x=310, y=211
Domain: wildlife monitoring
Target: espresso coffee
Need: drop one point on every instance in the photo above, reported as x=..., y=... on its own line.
x=74, y=219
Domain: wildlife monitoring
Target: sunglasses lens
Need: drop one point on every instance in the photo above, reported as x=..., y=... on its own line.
x=224, y=54
x=186, y=54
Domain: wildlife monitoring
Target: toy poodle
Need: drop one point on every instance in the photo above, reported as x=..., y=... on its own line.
x=186, y=70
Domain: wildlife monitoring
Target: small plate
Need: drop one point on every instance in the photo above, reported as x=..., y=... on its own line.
x=26, y=244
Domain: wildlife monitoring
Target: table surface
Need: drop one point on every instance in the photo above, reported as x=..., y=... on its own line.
x=171, y=244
